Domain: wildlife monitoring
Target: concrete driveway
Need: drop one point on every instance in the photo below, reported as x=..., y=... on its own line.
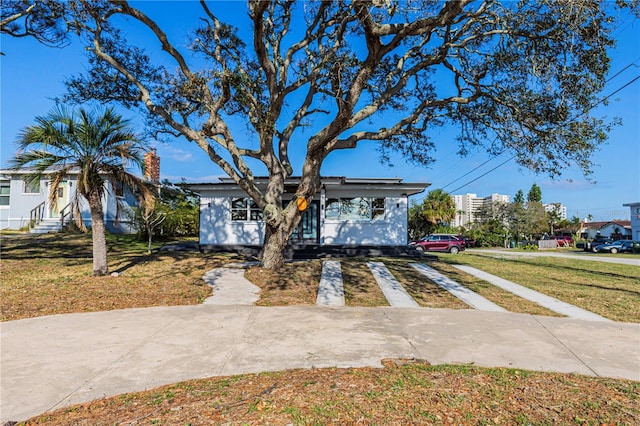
x=56, y=361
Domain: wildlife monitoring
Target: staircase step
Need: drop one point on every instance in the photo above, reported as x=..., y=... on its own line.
x=46, y=226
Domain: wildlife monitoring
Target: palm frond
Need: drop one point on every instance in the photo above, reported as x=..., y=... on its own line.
x=96, y=144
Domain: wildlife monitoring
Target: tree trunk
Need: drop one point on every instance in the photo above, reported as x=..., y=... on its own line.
x=100, y=266
x=280, y=223
x=275, y=244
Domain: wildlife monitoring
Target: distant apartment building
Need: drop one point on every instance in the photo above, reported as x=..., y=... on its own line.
x=468, y=205
x=559, y=208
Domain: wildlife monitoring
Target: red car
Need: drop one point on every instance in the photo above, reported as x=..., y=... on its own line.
x=563, y=240
x=440, y=242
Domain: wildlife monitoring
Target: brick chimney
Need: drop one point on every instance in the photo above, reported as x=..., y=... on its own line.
x=152, y=166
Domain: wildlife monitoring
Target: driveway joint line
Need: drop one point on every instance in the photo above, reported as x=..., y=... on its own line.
x=416, y=352
x=576, y=356
x=108, y=367
x=238, y=338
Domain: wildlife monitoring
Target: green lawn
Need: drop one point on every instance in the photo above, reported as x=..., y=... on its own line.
x=608, y=289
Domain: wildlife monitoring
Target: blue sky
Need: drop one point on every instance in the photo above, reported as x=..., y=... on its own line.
x=32, y=76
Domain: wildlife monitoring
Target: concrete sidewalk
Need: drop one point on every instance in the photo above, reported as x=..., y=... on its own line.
x=622, y=259
x=52, y=362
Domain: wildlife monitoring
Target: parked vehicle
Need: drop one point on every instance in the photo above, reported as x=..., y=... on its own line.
x=620, y=246
x=564, y=240
x=440, y=242
x=591, y=245
x=468, y=242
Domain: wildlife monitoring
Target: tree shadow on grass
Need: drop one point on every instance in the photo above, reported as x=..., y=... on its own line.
x=44, y=246
x=123, y=252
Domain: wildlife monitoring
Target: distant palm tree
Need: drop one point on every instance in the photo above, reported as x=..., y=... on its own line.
x=96, y=145
x=436, y=209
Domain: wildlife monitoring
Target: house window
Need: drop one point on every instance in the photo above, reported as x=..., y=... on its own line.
x=5, y=189
x=118, y=188
x=357, y=208
x=30, y=187
x=243, y=209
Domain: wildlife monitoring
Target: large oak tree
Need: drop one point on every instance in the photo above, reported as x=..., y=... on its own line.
x=515, y=76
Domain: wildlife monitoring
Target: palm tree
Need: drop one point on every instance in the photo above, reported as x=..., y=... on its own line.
x=98, y=146
x=437, y=208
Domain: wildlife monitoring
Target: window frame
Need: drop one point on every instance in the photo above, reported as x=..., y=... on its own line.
x=338, y=209
x=118, y=188
x=30, y=188
x=248, y=210
x=7, y=196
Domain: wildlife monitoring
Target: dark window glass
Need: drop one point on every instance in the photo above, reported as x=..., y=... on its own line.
x=245, y=209
x=5, y=189
x=355, y=209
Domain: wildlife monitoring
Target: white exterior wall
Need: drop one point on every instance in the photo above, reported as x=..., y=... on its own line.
x=393, y=230
x=609, y=230
x=635, y=220
x=17, y=214
x=217, y=228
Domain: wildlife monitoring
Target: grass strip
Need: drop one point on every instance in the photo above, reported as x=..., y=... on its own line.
x=607, y=289
x=399, y=393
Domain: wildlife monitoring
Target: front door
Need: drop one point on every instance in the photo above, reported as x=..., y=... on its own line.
x=308, y=230
x=61, y=200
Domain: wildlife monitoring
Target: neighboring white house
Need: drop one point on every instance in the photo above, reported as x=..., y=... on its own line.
x=635, y=220
x=467, y=206
x=20, y=202
x=349, y=211
x=617, y=229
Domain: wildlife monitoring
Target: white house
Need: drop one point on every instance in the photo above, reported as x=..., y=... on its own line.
x=22, y=203
x=616, y=229
x=635, y=220
x=346, y=211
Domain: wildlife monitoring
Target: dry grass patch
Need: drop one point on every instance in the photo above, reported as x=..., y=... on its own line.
x=52, y=274
x=294, y=284
x=500, y=297
x=607, y=289
x=395, y=395
x=423, y=291
x=360, y=287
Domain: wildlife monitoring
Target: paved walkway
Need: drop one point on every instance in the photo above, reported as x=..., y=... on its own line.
x=52, y=362
x=330, y=289
x=463, y=293
x=396, y=295
x=230, y=287
x=548, y=302
x=623, y=259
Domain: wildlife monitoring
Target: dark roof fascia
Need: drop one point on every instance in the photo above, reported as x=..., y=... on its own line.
x=600, y=225
x=411, y=188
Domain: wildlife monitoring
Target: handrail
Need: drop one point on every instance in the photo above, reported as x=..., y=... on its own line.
x=36, y=215
x=64, y=214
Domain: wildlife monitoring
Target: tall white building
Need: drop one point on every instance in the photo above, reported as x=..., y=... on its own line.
x=467, y=206
x=559, y=208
